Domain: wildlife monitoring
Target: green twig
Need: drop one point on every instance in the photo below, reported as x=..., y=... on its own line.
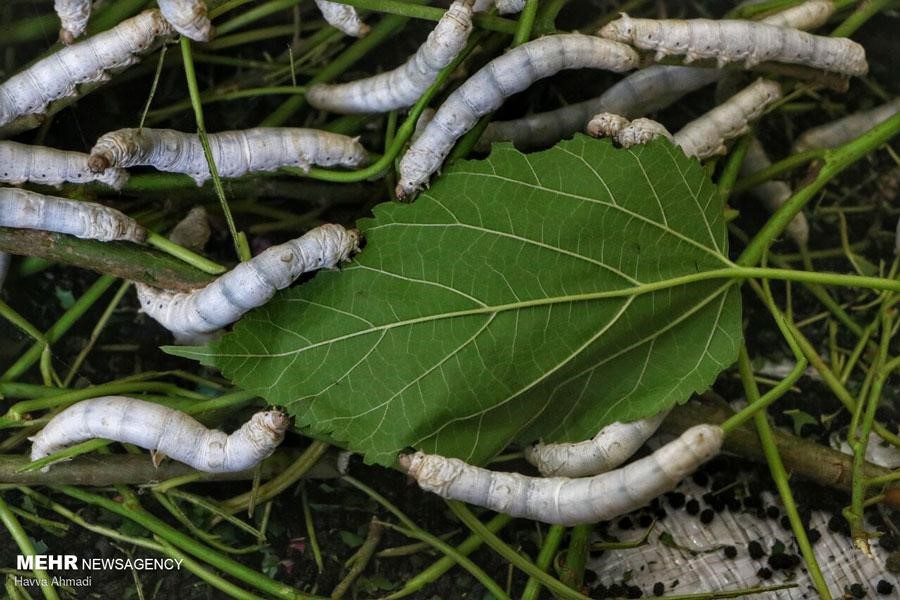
x=551, y=544
x=26, y=547
x=572, y=573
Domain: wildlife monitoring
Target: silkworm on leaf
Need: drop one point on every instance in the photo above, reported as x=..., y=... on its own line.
x=20, y=163
x=403, y=86
x=73, y=18
x=626, y=133
x=235, y=153
x=837, y=133
x=90, y=61
x=163, y=430
x=197, y=316
x=707, y=135
x=638, y=94
x=486, y=90
x=772, y=194
x=342, y=17
x=29, y=210
x=611, y=447
x=567, y=501
x=187, y=17
x=733, y=41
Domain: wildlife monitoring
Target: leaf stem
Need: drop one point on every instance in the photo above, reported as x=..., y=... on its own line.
x=429, y=13
x=551, y=544
x=25, y=547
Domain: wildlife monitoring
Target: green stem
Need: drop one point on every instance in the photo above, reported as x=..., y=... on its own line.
x=835, y=162
x=544, y=559
x=555, y=586
x=864, y=11
x=240, y=244
x=25, y=546
x=205, y=574
x=429, y=13
x=182, y=253
x=526, y=23
x=576, y=556
x=254, y=14
x=775, y=169
x=779, y=475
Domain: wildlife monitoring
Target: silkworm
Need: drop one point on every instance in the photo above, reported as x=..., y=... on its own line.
x=20, y=163
x=342, y=17
x=187, y=17
x=504, y=7
x=627, y=133
x=772, y=194
x=611, y=447
x=562, y=500
x=163, y=430
x=638, y=94
x=73, y=18
x=235, y=153
x=195, y=317
x=90, y=61
x=486, y=90
x=837, y=133
x=686, y=555
x=731, y=41
x=29, y=210
x=403, y=86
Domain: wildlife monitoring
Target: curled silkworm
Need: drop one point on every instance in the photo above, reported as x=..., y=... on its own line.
x=342, y=17
x=73, y=18
x=836, y=133
x=403, y=86
x=707, y=135
x=611, y=447
x=29, y=210
x=562, y=500
x=20, y=163
x=87, y=62
x=195, y=317
x=731, y=41
x=187, y=17
x=235, y=153
x=638, y=94
x=627, y=133
x=773, y=194
x=486, y=90
x=165, y=431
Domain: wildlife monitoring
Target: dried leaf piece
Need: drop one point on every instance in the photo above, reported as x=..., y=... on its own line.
x=486, y=90
x=562, y=500
x=734, y=41
x=235, y=153
x=20, y=163
x=90, y=61
x=29, y=210
x=403, y=86
x=164, y=431
x=196, y=317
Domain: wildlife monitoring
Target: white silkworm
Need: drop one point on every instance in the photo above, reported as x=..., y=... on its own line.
x=639, y=94
x=772, y=194
x=73, y=18
x=90, y=61
x=685, y=555
x=195, y=317
x=836, y=133
x=187, y=17
x=403, y=86
x=165, y=431
x=29, y=210
x=486, y=90
x=562, y=500
x=627, y=133
x=20, y=163
x=235, y=153
x=707, y=135
x=731, y=41
x=611, y=447
x=342, y=17
x=504, y=7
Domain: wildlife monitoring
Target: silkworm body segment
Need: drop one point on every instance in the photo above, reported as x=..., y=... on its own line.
x=29, y=210
x=195, y=316
x=342, y=17
x=188, y=17
x=403, y=86
x=235, y=153
x=836, y=133
x=568, y=501
x=486, y=90
x=89, y=61
x=164, y=430
x=730, y=41
x=20, y=163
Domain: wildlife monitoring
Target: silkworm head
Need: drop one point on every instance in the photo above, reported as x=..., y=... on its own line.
x=98, y=163
x=705, y=440
x=410, y=463
x=274, y=422
x=620, y=30
x=606, y=125
x=66, y=36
